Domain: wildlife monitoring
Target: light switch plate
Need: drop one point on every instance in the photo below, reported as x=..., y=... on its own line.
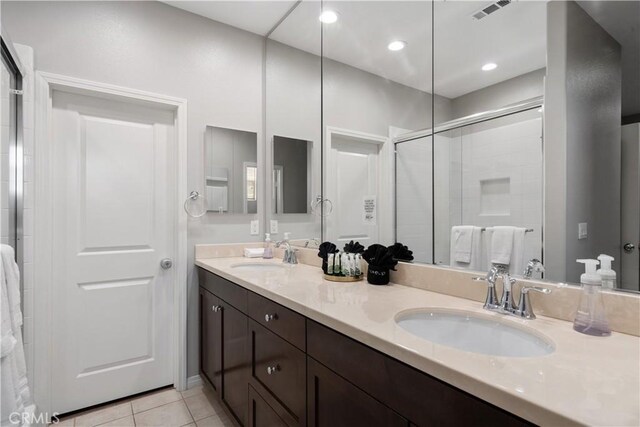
x=582, y=231
x=255, y=227
x=274, y=226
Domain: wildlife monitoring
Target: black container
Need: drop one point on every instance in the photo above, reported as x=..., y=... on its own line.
x=378, y=275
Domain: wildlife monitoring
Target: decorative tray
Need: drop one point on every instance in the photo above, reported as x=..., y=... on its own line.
x=343, y=278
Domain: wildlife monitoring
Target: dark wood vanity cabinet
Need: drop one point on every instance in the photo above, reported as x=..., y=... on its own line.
x=211, y=339
x=224, y=351
x=260, y=413
x=333, y=401
x=274, y=367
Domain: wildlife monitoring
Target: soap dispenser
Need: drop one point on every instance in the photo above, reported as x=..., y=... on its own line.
x=268, y=247
x=607, y=275
x=590, y=317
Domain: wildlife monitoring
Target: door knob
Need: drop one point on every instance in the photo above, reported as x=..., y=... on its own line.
x=629, y=247
x=166, y=263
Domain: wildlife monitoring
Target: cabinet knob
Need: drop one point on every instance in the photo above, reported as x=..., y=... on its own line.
x=216, y=308
x=273, y=369
x=270, y=317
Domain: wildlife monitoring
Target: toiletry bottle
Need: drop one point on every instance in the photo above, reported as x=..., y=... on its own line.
x=607, y=275
x=268, y=247
x=591, y=318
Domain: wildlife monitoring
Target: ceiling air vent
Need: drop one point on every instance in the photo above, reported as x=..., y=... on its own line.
x=489, y=9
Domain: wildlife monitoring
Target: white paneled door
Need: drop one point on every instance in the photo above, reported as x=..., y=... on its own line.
x=353, y=187
x=113, y=180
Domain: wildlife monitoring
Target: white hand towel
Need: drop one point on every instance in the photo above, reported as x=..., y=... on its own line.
x=13, y=379
x=516, y=267
x=12, y=278
x=501, y=245
x=475, y=252
x=461, y=243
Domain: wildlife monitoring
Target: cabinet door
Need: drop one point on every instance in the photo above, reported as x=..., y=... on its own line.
x=236, y=362
x=211, y=339
x=260, y=413
x=332, y=401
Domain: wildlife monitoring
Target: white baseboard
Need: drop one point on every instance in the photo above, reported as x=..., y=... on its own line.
x=194, y=381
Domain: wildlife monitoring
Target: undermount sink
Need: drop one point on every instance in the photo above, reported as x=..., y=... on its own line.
x=258, y=266
x=474, y=333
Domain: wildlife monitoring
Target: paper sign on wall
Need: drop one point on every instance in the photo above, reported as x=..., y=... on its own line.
x=369, y=210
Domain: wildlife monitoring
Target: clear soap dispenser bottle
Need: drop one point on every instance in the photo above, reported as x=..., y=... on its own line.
x=590, y=317
x=268, y=247
x=606, y=273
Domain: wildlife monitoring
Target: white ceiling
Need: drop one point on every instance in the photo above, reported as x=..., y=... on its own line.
x=255, y=16
x=513, y=37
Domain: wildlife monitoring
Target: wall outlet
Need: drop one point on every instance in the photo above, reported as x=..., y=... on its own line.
x=274, y=226
x=582, y=231
x=255, y=227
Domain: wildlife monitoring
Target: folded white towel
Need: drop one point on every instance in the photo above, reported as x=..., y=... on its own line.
x=253, y=252
x=466, y=251
x=501, y=245
x=516, y=266
x=461, y=243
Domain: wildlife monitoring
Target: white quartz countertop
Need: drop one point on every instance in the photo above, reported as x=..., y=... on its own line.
x=586, y=380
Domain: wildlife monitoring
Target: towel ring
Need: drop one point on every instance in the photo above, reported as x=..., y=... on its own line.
x=196, y=205
x=320, y=202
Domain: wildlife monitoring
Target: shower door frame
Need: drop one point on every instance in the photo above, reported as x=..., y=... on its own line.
x=519, y=107
x=11, y=60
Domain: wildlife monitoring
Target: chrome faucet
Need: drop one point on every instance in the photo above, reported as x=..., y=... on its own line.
x=533, y=265
x=313, y=243
x=290, y=256
x=505, y=305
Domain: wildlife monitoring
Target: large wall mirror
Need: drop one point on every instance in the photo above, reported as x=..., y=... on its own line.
x=293, y=84
x=518, y=121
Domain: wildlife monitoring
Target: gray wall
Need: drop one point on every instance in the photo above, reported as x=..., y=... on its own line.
x=499, y=95
x=155, y=47
x=582, y=154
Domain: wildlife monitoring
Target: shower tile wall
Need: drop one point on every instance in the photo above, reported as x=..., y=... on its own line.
x=495, y=178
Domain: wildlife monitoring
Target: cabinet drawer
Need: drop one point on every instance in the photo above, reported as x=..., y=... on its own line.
x=228, y=291
x=260, y=413
x=332, y=401
x=284, y=322
x=421, y=398
x=280, y=368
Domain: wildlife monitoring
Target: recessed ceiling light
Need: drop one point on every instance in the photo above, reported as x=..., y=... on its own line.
x=328, y=17
x=489, y=66
x=397, y=45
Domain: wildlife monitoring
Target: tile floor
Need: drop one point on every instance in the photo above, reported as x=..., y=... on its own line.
x=196, y=407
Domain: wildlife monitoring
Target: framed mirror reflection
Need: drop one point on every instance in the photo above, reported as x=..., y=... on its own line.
x=231, y=171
